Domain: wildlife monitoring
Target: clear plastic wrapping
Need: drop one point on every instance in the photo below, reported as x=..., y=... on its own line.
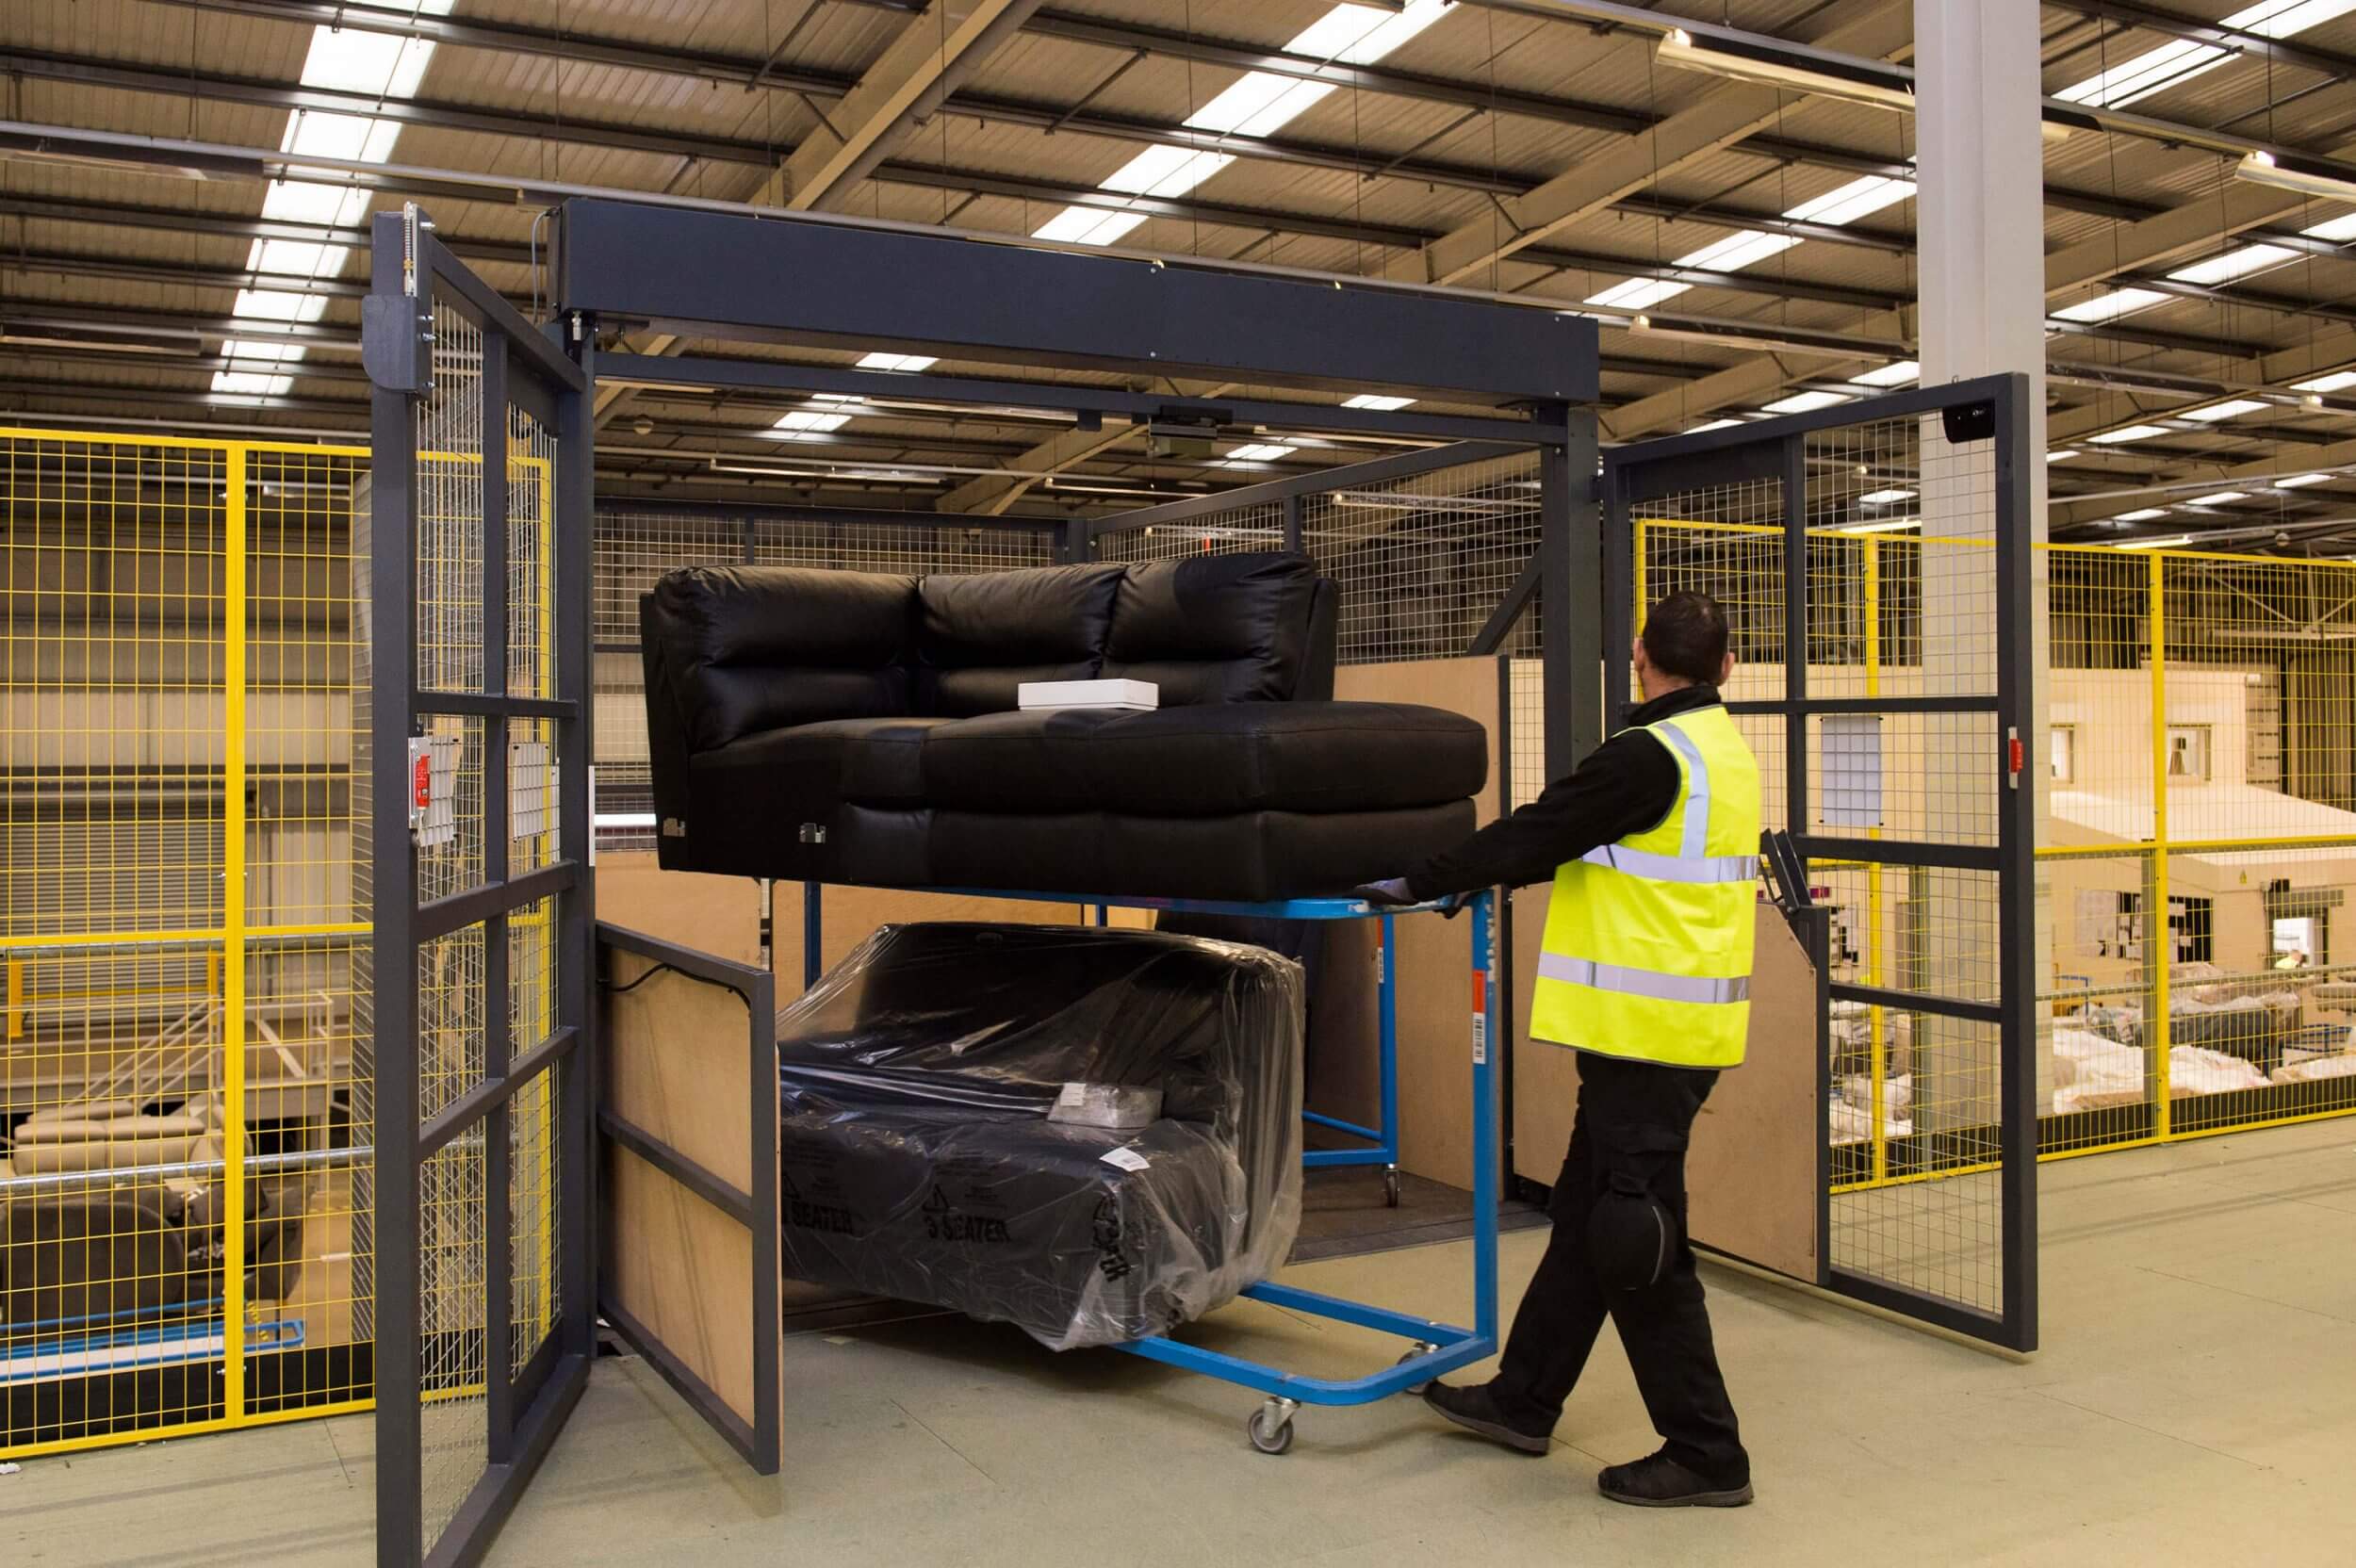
x=918, y=1161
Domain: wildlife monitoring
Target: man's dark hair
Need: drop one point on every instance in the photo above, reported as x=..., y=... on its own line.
x=1686, y=635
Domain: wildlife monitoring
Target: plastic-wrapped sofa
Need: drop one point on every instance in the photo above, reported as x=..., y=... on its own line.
x=917, y=1158
x=861, y=727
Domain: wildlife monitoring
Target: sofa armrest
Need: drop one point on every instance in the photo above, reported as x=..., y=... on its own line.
x=732, y=651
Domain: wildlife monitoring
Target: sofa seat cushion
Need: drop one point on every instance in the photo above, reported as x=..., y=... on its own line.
x=876, y=761
x=1250, y=855
x=1208, y=761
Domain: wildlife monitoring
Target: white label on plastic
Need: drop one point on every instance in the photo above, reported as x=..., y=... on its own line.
x=1125, y=1159
x=1072, y=1097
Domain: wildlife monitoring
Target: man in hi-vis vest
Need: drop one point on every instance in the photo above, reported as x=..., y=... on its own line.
x=1653, y=845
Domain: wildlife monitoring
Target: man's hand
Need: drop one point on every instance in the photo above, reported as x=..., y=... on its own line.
x=1391, y=893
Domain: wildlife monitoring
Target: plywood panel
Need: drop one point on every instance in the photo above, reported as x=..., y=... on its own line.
x=1753, y=1171
x=676, y=1067
x=1754, y=1168
x=1435, y=1009
x=721, y=915
x=1434, y=963
x=684, y=1270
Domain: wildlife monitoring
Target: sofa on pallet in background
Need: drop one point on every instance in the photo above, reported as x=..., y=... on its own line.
x=917, y=1157
x=861, y=728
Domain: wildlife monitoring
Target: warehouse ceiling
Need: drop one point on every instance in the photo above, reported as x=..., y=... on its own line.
x=1744, y=259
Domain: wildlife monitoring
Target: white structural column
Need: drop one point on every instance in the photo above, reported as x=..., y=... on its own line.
x=1980, y=225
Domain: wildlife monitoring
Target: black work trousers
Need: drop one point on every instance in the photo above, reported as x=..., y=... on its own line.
x=1634, y=1119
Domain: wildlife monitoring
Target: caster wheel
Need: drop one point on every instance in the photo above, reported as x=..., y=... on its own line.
x=1390, y=1189
x=1422, y=1347
x=1272, y=1427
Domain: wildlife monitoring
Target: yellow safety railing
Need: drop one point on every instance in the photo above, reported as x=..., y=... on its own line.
x=2200, y=844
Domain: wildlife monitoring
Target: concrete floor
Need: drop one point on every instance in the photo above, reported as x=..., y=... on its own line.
x=2192, y=1406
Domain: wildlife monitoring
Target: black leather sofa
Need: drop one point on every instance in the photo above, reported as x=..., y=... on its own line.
x=861, y=727
x=918, y=1158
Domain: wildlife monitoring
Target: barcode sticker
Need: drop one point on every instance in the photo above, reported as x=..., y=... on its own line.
x=1480, y=1038
x=1125, y=1159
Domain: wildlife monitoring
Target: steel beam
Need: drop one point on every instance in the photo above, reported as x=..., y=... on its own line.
x=935, y=53
x=854, y=287
x=780, y=377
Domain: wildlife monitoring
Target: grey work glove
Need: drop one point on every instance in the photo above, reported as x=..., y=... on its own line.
x=1391, y=893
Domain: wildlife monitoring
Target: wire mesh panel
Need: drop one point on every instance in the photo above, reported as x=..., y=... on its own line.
x=1251, y=527
x=477, y=600
x=175, y=1071
x=1423, y=561
x=2201, y=837
x=303, y=1207
x=1873, y=567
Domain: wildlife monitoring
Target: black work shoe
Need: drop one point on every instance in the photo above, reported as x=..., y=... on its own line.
x=1475, y=1409
x=1663, y=1482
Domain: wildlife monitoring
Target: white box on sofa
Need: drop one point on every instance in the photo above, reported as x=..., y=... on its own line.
x=1134, y=697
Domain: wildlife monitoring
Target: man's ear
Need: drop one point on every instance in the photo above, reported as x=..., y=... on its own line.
x=1725, y=670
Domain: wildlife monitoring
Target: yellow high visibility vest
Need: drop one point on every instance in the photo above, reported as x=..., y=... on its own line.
x=1648, y=941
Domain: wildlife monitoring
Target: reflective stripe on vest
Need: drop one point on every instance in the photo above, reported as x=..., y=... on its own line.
x=1641, y=982
x=1674, y=868
x=1696, y=789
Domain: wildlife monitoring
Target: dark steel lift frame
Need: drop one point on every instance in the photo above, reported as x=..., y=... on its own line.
x=835, y=282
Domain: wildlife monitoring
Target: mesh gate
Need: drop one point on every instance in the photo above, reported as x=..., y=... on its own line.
x=475, y=595
x=1873, y=562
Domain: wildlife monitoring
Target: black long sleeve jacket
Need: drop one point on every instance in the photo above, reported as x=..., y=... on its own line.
x=1624, y=786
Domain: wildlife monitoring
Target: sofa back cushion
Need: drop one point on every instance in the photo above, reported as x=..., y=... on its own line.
x=978, y=638
x=1215, y=628
x=740, y=649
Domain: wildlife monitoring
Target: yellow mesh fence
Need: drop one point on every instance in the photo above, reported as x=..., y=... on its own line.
x=178, y=1220
x=2201, y=760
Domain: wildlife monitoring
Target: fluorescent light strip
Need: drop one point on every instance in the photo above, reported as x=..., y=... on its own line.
x=2235, y=264
x=2109, y=307
x=803, y=419
x=2179, y=61
x=1716, y=424
x=1896, y=374
x=340, y=59
x=2143, y=516
x=908, y=363
x=1859, y=198
x=1884, y=498
x=1738, y=250
x=1258, y=451
x=2338, y=381
x=2131, y=433
x=2299, y=481
x=1259, y=104
x=1377, y=402
x=2062, y=456
x=2231, y=408
x=2173, y=541
x=2219, y=499
x=1807, y=402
